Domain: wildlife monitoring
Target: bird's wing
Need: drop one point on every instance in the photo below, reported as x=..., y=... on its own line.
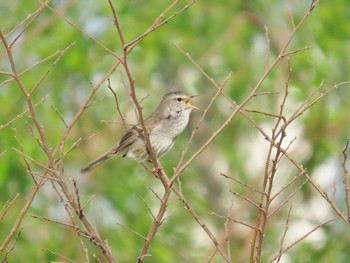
x=129, y=138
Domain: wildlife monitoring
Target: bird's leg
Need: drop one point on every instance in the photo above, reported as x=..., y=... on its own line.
x=157, y=171
x=154, y=171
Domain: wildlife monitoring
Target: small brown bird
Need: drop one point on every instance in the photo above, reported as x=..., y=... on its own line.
x=168, y=120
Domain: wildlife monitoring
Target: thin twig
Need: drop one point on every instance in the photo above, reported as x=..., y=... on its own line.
x=158, y=23
x=59, y=255
x=75, y=145
x=21, y=215
x=43, y=140
x=290, y=246
x=22, y=114
x=116, y=23
x=227, y=225
x=116, y=102
x=201, y=223
x=219, y=90
x=247, y=200
x=287, y=54
x=29, y=169
x=60, y=145
x=31, y=19
x=98, y=43
x=284, y=234
x=263, y=113
x=287, y=199
x=78, y=198
x=303, y=109
x=284, y=187
x=133, y=231
x=28, y=69
x=242, y=183
x=61, y=54
x=73, y=226
x=268, y=51
x=233, y=220
x=150, y=210
x=7, y=206
x=278, y=134
x=25, y=157
x=345, y=179
x=55, y=109
x=10, y=249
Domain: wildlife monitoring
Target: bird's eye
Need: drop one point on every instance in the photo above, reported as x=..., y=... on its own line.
x=179, y=99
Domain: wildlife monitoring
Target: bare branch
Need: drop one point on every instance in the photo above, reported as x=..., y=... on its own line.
x=287, y=54
x=116, y=102
x=302, y=238
x=78, y=198
x=345, y=179
x=26, y=157
x=233, y=220
x=247, y=200
x=201, y=223
x=116, y=23
x=283, y=188
x=61, y=54
x=132, y=231
x=28, y=69
x=242, y=183
x=31, y=19
x=268, y=51
x=19, y=116
x=10, y=249
x=59, y=115
x=287, y=199
x=176, y=173
x=21, y=215
x=158, y=23
x=303, y=109
x=98, y=43
x=284, y=234
x=73, y=226
x=7, y=206
x=59, y=255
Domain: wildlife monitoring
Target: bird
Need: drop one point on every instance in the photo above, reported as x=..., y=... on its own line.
x=163, y=126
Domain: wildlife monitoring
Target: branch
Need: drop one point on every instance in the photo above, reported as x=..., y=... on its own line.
x=201, y=223
x=22, y=114
x=284, y=234
x=116, y=102
x=158, y=171
x=7, y=206
x=301, y=238
x=158, y=23
x=345, y=179
x=98, y=43
x=31, y=19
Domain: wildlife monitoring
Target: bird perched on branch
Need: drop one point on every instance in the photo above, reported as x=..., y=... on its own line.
x=168, y=120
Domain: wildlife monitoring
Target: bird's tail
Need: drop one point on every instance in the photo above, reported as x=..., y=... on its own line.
x=97, y=162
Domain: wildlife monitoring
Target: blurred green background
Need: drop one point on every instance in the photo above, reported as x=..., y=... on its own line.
x=222, y=36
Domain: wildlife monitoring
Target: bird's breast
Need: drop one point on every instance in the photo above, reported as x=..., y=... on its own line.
x=175, y=124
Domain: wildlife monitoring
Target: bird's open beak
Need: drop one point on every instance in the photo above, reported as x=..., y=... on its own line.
x=187, y=102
